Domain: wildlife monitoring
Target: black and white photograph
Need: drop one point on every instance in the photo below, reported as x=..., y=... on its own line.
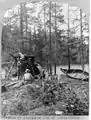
x=44, y=58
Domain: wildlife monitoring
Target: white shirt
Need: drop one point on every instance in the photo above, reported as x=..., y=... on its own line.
x=27, y=76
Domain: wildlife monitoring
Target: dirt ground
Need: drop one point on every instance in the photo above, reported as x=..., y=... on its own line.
x=66, y=97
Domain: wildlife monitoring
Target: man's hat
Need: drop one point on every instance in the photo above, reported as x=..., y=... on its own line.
x=27, y=71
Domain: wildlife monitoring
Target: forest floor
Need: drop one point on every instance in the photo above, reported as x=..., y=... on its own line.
x=66, y=97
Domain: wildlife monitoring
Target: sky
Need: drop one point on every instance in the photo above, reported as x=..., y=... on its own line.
x=2, y=1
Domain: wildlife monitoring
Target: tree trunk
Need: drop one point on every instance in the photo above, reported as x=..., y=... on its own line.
x=82, y=58
x=30, y=49
x=21, y=26
x=55, y=41
x=50, y=37
x=68, y=42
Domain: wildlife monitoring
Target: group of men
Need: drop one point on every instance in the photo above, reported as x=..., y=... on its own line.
x=28, y=67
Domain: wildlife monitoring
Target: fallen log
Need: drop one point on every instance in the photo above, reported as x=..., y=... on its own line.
x=19, y=84
x=5, y=87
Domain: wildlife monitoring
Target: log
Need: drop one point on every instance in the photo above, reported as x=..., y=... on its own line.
x=19, y=84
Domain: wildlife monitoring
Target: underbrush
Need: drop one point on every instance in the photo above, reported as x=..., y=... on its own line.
x=45, y=100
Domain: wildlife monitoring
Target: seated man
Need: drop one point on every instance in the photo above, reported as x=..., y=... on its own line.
x=28, y=76
x=33, y=68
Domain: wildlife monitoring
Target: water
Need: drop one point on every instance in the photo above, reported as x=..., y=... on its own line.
x=3, y=74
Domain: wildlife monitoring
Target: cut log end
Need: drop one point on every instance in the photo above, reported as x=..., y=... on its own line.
x=4, y=89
